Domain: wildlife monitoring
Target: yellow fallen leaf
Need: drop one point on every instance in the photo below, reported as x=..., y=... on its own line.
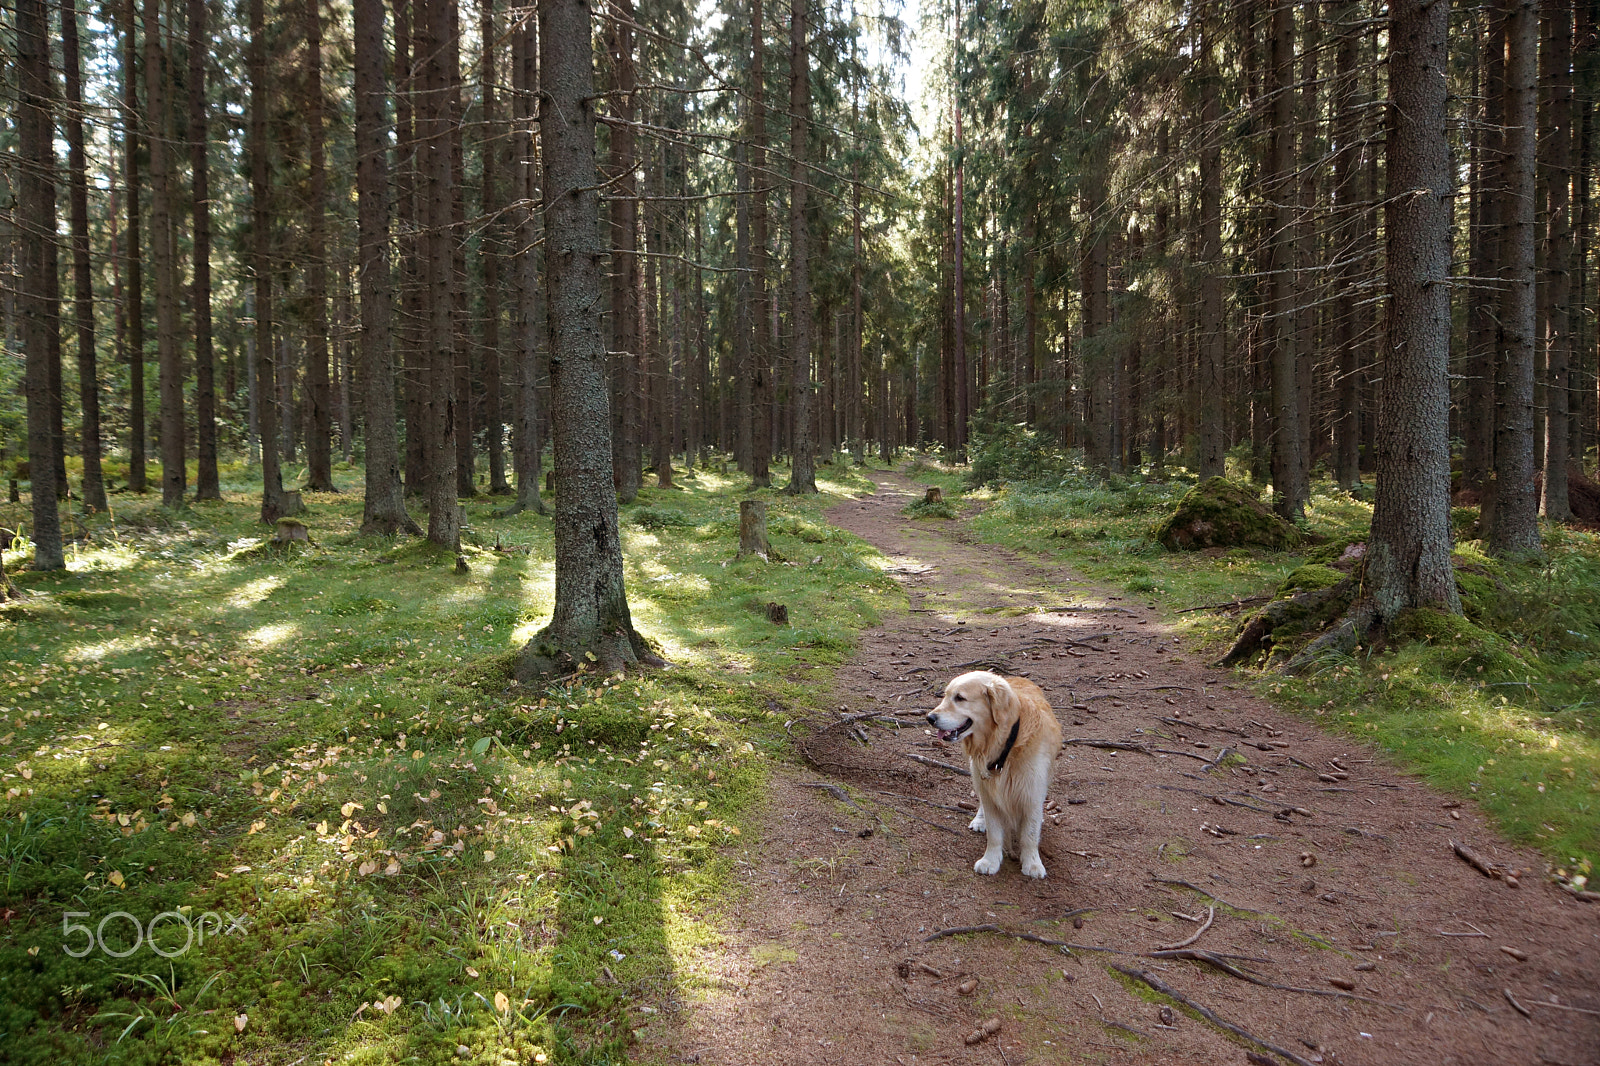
x=123, y=819
x=471, y=972
x=627, y=832
x=33, y=951
x=189, y=819
x=598, y=919
x=322, y=829
x=240, y=1021
x=488, y=856
x=501, y=1003
x=392, y=869
x=383, y=808
x=117, y=879
x=256, y=827
x=27, y=774
x=350, y=808
x=367, y=868
x=416, y=754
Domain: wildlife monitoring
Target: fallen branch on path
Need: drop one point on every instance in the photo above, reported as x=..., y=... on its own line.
x=1224, y=799
x=1563, y=1006
x=1475, y=933
x=919, y=799
x=1210, y=959
x=1209, y=1015
x=1487, y=867
x=1111, y=745
x=1211, y=915
x=1085, y=609
x=1513, y=1001
x=1207, y=895
x=924, y=760
x=1230, y=605
x=1067, y=947
x=1184, y=723
x=1218, y=761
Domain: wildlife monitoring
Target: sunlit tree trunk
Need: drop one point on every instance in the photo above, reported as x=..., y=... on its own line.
x=802, y=479
x=94, y=489
x=162, y=256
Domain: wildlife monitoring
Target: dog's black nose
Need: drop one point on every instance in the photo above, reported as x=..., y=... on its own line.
x=931, y=715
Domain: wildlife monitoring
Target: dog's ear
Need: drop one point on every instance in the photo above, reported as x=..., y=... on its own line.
x=1004, y=706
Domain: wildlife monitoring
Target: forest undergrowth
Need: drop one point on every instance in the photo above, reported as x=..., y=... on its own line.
x=290, y=807
x=1501, y=707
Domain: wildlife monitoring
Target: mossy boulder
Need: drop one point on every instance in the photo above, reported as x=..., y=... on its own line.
x=1309, y=578
x=1220, y=514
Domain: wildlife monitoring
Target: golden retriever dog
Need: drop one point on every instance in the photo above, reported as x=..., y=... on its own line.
x=1011, y=738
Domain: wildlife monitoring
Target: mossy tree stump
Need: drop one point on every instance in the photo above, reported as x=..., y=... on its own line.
x=933, y=495
x=290, y=531
x=753, y=530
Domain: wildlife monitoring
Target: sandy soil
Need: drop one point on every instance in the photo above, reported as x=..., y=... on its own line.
x=1330, y=873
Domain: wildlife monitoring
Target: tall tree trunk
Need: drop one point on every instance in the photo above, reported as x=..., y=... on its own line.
x=205, y=392
x=626, y=278
x=94, y=489
x=412, y=367
x=1347, y=225
x=433, y=30
x=1515, y=530
x=383, y=511
x=761, y=382
x=274, y=501
x=138, y=478
x=591, y=621
x=162, y=260
x=1408, y=555
x=1289, y=495
x=1483, y=312
x=491, y=253
x=1557, y=259
x=460, y=324
x=744, y=319
x=530, y=327
x=802, y=478
x=1213, y=318
x=319, y=420
x=37, y=222
x=1408, y=558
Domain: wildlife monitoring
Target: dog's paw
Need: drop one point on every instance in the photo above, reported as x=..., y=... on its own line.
x=978, y=825
x=1032, y=867
x=987, y=866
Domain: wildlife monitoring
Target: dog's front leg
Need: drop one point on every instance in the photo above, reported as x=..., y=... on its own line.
x=1033, y=821
x=994, y=854
x=980, y=821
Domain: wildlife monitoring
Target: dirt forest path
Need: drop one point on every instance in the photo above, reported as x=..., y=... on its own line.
x=1353, y=933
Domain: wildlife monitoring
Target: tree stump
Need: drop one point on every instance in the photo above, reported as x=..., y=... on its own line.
x=290, y=531
x=933, y=495
x=550, y=481
x=778, y=614
x=753, y=530
x=16, y=493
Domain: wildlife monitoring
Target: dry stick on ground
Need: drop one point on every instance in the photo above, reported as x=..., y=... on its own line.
x=1563, y=1006
x=1486, y=867
x=1187, y=724
x=919, y=799
x=1209, y=1015
x=1211, y=915
x=1211, y=959
x=1067, y=946
x=1207, y=895
x=1224, y=799
x=1513, y=1001
x=1234, y=604
x=924, y=760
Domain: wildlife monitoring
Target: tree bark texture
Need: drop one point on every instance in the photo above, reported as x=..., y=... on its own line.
x=36, y=221
x=383, y=511
x=207, y=486
x=1213, y=322
x=275, y=503
x=802, y=478
x=432, y=31
x=138, y=477
x=1408, y=556
x=1289, y=469
x=591, y=623
x=319, y=419
x=1557, y=259
x=94, y=489
x=1515, y=531
x=174, y=476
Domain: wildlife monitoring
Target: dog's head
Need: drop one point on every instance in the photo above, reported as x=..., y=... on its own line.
x=976, y=706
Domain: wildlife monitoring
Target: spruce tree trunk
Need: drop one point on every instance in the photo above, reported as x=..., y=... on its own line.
x=460, y=325
x=1557, y=259
x=205, y=390
x=433, y=31
x=1515, y=532
x=411, y=366
x=319, y=419
x=491, y=252
x=1288, y=447
x=744, y=320
x=1347, y=221
x=525, y=420
x=383, y=511
x=138, y=477
x=37, y=225
x=162, y=256
x=275, y=503
x=626, y=278
x=1483, y=311
x=802, y=478
x=761, y=384
x=94, y=489
x=1213, y=319
x=1408, y=556
x=591, y=624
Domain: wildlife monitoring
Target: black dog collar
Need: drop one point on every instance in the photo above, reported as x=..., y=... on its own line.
x=1005, y=753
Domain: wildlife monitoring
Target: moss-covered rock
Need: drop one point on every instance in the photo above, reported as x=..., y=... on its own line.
x=1310, y=577
x=1220, y=514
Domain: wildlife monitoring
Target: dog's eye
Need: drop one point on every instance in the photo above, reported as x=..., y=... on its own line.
x=960, y=698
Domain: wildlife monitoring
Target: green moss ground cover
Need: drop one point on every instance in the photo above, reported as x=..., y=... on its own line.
x=364, y=843
x=1500, y=706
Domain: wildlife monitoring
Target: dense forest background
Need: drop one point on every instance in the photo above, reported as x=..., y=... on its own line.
x=275, y=233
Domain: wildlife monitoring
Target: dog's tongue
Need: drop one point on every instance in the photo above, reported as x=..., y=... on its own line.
x=947, y=734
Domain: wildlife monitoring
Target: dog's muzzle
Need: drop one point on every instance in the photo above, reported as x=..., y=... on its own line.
x=948, y=734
